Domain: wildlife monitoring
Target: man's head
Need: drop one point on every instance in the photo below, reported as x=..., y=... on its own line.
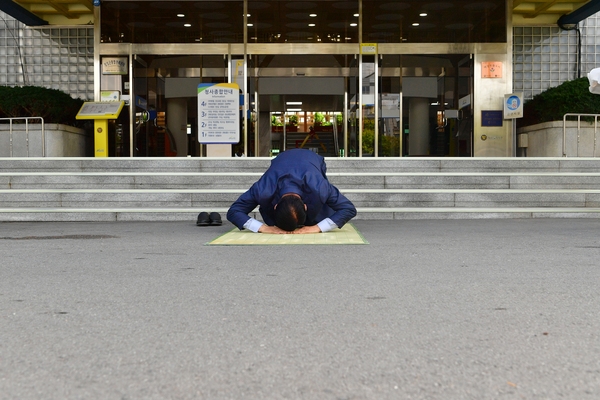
x=290, y=212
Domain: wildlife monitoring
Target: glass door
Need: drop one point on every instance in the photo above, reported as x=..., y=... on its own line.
x=300, y=102
x=351, y=119
x=390, y=101
x=435, y=104
x=142, y=141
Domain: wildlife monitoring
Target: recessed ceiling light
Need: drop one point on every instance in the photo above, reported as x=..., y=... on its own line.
x=356, y=15
x=294, y=109
x=250, y=24
x=187, y=25
x=353, y=24
x=312, y=15
x=415, y=24
x=423, y=15
x=181, y=15
x=293, y=103
x=311, y=24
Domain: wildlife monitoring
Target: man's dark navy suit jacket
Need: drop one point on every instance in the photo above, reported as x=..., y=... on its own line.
x=297, y=171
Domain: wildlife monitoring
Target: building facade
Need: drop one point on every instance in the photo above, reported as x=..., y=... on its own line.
x=344, y=78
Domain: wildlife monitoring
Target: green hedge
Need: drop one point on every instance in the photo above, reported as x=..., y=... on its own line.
x=54, y=106
x=552, y=104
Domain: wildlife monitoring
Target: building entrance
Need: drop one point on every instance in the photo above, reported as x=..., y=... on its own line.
x=383, y=106
x=336, y=105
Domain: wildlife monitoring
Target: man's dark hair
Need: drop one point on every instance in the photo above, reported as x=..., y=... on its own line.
x=290, y=213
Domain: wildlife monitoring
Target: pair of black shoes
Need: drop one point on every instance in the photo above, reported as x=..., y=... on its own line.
x=206, y=219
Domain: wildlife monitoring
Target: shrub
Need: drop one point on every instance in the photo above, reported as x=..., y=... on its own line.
x=53, y=105
x=368, y=136
x=552, y=104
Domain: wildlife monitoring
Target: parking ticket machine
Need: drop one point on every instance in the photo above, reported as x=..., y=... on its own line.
x=101, y=112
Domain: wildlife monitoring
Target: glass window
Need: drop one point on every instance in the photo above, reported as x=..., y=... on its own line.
x=293, y=21
x=465, y=21
x=172, y=22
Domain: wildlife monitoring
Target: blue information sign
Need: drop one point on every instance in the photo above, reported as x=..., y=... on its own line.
x=491, y=118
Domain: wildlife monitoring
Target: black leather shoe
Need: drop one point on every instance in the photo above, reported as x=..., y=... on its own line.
x=215, y=219
x=203, y=219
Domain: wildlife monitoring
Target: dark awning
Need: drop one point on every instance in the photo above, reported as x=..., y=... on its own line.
x=21, y=14
x=580, y=14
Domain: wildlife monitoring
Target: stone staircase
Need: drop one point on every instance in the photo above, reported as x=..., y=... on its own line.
x=177, y=189
x=324, y=145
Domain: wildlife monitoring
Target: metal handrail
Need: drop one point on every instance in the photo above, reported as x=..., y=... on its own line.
x=11, y=119
x=564, y=147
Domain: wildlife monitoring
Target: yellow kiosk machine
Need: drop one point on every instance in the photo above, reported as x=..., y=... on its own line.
x=100, y=112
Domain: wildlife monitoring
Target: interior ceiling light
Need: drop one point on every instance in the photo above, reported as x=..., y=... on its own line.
x=312, y=15
x=415, y=24
x=353, y=24
x=423, y=15
x=187, y=25
x=249, y=24
x=356, y=15
x=294, y=109
x=293, y=103
x=181, y=15
x=311, y=24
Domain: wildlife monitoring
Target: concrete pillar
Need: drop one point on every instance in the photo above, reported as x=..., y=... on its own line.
x=177, y=123
x=418, y=126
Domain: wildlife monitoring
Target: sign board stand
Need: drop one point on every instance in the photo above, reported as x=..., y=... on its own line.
x=100, y=112
x=513, y=109
x=218, y=117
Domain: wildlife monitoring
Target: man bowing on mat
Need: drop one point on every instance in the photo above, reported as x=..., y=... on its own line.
x=294, y=196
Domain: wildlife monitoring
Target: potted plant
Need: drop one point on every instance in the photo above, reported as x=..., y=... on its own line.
x=322, y=124
x=64, y=135
x=292, y=125
x=276, y=124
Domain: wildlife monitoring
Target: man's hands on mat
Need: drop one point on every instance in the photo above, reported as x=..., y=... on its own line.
x=276, y=230
x=307, y=229
x=271, y=229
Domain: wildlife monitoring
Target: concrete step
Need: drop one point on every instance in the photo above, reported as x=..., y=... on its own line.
x=210, y=198
x=334, y=164
x=343, y=180
x=49, y=214
x=119, y=189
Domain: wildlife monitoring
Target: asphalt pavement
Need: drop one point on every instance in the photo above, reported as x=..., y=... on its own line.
x=429, y=309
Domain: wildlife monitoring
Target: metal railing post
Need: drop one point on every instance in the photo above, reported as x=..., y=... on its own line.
x=26, y=119
x=564, y=145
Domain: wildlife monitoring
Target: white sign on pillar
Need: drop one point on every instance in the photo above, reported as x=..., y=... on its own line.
x=218, y=113
x=513, y=105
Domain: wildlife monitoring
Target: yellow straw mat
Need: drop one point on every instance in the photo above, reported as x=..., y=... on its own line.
x=347, y=235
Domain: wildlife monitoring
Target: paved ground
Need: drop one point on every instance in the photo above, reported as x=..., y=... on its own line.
x=446, y=309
